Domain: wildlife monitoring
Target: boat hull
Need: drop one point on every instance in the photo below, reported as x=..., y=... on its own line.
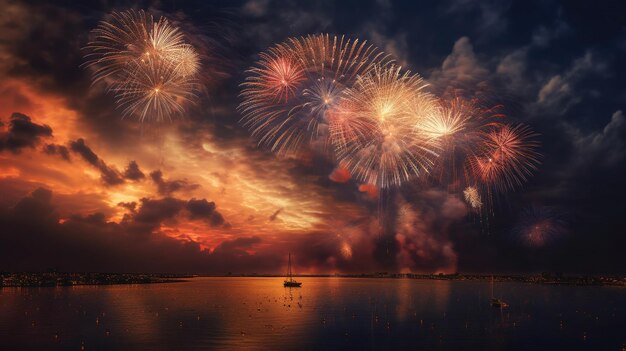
x=292, y=284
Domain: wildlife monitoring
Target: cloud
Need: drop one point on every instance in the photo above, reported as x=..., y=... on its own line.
x=605, y=148
x=382, y=34
x=55, y=149
x=133, y=172
x=255, y=8
x=167, y=187
x=302, y=19
x=22, y=133
x=34, y=240
x=131, y=206
x=460, y=69
x=559, y=93
x=488, y=16
x=240, y=243
x=275, y=215
x=203, y=209
x=109, y=175
x=156, y=211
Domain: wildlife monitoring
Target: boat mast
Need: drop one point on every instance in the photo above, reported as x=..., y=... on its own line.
x=289, y=267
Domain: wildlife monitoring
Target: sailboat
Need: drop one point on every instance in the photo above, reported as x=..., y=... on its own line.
x=289, y=282
x=496, y=302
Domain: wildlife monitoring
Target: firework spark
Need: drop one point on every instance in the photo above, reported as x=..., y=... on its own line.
x=145, y=63
x=289, y=94
x=374, y=132
x=380, y=123
x=156, y=91
x=186, y=61
x=508, y=156
x=472, y=197
x=458, y=125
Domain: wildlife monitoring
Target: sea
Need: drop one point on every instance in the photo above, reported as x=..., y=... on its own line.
x=255, y=313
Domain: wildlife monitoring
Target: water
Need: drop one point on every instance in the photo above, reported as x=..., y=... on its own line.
x=326, y=313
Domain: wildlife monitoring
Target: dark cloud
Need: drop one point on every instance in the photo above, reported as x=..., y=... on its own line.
x=109, y=175
x=22, y=133
x=167, y=187
x=200, y=208
x=241, y=243
x=60, y=150
x=203, y=209
x=133, y=172
x=131, y=206
x=33, y=239
x=275, y=215
x=156, y=211
x=150, y=213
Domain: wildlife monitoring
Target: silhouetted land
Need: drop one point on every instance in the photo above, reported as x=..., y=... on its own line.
x=542, y=278
x=35, y=279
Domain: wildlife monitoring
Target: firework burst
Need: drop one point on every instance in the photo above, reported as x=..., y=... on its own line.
x=374, y=131
x=292, y=89
x=378, y=121
x=539, y=227
x=507, y=157
x=145, y=63
x=156, y=91
x=458, y=125
x=472, y=197
x=186, y=61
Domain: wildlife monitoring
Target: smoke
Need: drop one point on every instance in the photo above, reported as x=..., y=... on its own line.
x=422, y=232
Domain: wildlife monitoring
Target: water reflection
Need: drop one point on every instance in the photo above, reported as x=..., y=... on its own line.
x=326, y=313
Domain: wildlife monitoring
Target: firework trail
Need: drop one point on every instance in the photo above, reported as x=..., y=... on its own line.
x=375, y=132
x=145, y=63
x=290, y=92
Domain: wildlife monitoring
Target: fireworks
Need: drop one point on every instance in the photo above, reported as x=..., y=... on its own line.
x=472, y=197
x=458, y=125
x=374, y=131
x=157, y=90
x=295, y=85
x=507, y=157
x=145, y=63
x=539, y=226
x=379, y=121
x=186, y=61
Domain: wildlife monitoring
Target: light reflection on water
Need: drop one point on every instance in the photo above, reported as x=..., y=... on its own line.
x=326, y=313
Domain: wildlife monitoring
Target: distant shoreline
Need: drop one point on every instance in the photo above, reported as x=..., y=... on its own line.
x=56, y=279
x=543, y=278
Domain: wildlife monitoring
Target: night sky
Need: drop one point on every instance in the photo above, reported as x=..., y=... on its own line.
x=82, y=189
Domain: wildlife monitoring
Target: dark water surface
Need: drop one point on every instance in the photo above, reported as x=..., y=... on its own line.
x=325, y=314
